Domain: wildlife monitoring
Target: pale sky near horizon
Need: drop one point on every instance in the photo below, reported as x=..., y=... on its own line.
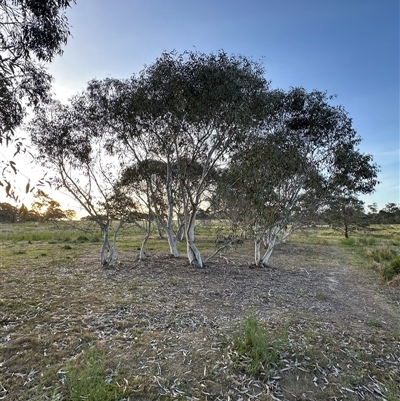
x=347, y=47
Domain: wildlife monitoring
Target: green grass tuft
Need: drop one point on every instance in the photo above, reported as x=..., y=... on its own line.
x=348, y=241
x=258, y=347
x=367, y=241
x=86, y=378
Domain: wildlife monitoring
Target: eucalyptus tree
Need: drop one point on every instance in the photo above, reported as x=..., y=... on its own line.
x=195, y=108
x=70, y=143
x=306, y=153
x=390, y=214
x=353, y=174
x=31, y=33
x=121, y=107
x=187, y=111
x=267, y=177
x=146, y=182
x=346, y=214
x=228, y=203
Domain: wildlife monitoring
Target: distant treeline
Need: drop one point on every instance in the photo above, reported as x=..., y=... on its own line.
x=42, y=209
x=390, y=214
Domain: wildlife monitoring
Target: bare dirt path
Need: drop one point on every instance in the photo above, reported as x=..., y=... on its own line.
x=330, y=289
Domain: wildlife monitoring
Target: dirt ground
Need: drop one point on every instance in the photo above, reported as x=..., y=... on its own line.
x=324, y=288
x=165, y=318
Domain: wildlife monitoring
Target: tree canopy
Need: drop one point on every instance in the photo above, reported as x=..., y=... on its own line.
x=187, y=110
x=31, y=33
x=304, y=157
x=193, y=129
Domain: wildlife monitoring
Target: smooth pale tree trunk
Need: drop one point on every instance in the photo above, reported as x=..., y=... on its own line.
x=142, y=253
x=167, y=226
x=192, y=252
x=257, y=244
x=272, y=239
x=172, y=242
x=257, y=250
x=180, y=232
x=107, y=254
x=169, y=230
x=285, y=234
x=109, y=250
x=159, y=229
x=146, y=227
x=105, y=247
x=270, y=249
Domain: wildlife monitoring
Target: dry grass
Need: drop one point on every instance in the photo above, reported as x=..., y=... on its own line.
x=160, y=329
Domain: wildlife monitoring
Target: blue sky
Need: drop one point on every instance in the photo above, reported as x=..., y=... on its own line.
x=347, y=47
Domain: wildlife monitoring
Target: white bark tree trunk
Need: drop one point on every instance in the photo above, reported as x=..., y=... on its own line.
x=172, y=242
x=159, y=229
x=168, y=224
x=192, y=252
x=257, y=250
x=107, y=254
x=257, y=244
x=167, y=227
x=142, y=253
x=272, y=239
x=270, y=248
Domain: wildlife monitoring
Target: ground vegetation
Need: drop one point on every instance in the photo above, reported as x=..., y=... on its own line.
x=319, y=324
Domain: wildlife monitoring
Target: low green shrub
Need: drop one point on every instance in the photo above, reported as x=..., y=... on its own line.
x=392, y=269
x=348, y=241
x=82, y=238
x=260, y=348
x=367, y=241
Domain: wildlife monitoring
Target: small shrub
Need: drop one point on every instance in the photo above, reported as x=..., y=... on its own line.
x=392, y=269
x=260, y=348
x=82, y=238
x=367, y=241
x=348, y=241
x=387, y=253
x=19, y=252
x=380, y=254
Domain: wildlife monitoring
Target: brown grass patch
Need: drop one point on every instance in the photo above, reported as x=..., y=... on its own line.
x=166, y=329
